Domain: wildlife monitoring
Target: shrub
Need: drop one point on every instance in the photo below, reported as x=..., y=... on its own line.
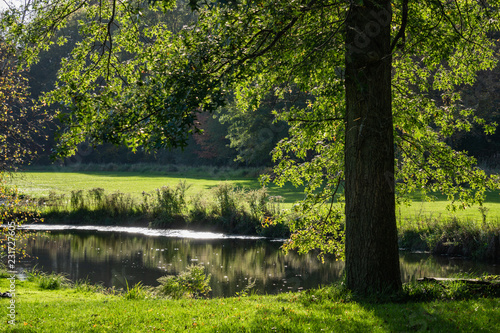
x=119, y=203
x=146, y=205
x=226, y=198
x=450, y=236
x=77, y=200
x=171, y=201
x=167, y=204
x=257, y=201
x=56, y=202
x=199, y=208
x=46, y=281
x=97, y=197
x=192, y=283
x=227, y=213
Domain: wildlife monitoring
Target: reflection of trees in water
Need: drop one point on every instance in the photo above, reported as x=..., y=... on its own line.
x=417, y=265
x=115, y=258
x=231, y=262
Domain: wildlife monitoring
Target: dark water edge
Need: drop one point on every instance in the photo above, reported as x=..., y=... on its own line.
x=117, y=256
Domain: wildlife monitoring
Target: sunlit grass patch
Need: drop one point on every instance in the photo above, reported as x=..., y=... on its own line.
x=328, y=309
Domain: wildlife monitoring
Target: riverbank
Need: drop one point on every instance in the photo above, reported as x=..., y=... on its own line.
x=224, y=208
x=451, y=236
x=447, y=307
x=231, y=201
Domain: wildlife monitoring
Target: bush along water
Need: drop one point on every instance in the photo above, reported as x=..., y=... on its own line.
x=191, y=283
x=94, y=207
x=452, y=236
x=225, y=208
x=234, y=210
x=166, y=205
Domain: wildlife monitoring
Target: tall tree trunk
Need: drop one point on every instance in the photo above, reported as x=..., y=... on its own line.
x=372, y=261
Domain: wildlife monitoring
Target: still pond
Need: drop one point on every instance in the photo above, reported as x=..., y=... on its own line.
x=115, y=256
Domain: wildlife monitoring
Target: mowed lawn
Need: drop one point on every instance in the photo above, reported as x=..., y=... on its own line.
x=40, y=183
x=440, y=209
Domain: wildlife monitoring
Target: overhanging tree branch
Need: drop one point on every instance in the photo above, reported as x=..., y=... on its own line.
x=401, y=33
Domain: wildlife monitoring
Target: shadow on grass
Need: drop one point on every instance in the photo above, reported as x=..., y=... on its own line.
x=433, y=316
x=437, y=307
x=445, y=316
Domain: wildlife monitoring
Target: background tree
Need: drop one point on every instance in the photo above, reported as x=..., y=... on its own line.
x=212, y=144
x=372, y=68
x=21, y=120
x=254, y=132
x=211, y=147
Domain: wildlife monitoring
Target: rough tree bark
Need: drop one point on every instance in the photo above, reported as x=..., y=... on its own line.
x=372, y=261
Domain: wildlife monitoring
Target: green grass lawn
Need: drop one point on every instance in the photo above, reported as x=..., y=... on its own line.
x=39, y=184
x=438, y=210
x=325, y=310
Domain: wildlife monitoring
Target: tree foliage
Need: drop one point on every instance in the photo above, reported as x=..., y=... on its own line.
x=21, y=121
x=114, y=82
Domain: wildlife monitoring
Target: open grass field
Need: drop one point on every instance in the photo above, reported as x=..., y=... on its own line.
x=40, y=183
x=81, y=309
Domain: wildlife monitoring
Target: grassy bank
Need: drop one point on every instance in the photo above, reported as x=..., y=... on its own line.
x=447, y=307
x=225, y=208
x=451, y=236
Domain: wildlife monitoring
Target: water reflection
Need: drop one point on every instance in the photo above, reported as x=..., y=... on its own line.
x=113, y=258
x=116, y=257
x=418, y=265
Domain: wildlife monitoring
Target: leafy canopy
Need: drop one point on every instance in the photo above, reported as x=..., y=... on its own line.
x=132, y=80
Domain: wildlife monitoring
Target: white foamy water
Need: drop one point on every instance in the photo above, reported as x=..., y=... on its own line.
x=177, y=233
